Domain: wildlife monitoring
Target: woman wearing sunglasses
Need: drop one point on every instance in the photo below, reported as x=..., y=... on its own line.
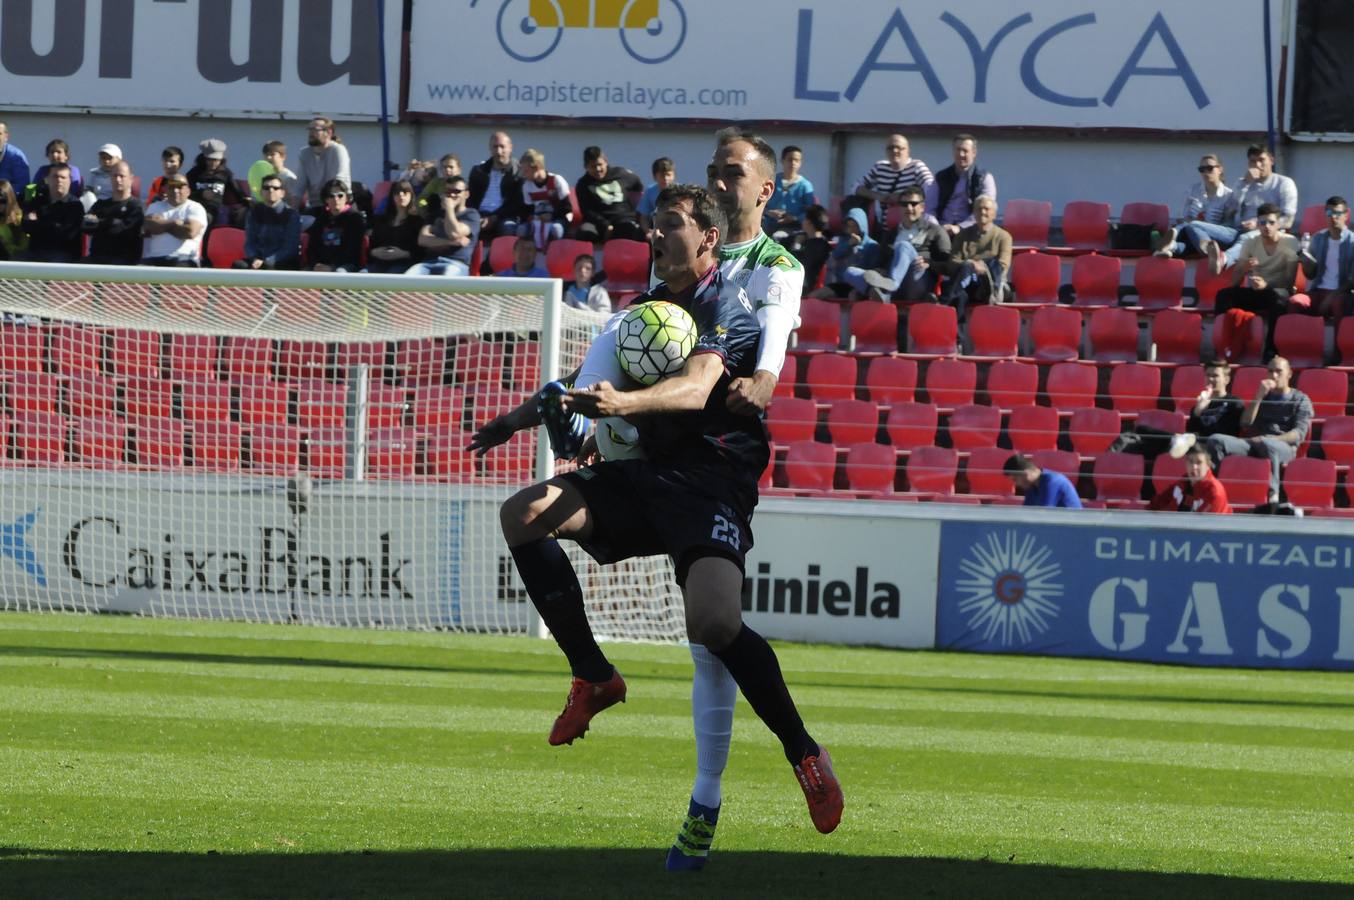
x=1204, y=215
x=337, y=232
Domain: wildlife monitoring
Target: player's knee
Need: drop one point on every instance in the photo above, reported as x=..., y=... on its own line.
x=517, y=517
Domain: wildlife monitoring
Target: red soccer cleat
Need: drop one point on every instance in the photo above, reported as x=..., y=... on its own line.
x=821, y=789
x=587, y=699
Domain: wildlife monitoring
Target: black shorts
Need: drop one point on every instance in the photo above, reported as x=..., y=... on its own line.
x=641, y=509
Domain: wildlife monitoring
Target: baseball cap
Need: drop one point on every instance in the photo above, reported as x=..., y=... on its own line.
x=112, y=150
x=213, y=148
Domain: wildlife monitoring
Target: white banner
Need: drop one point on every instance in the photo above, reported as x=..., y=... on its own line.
x=1055, y=63
x=283, y=58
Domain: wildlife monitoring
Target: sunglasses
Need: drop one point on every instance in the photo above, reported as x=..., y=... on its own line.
x=1207, y=168
x=1336, y=212
x=403, y=191
x=272, y=187
x=913, y=203
x=453, y=192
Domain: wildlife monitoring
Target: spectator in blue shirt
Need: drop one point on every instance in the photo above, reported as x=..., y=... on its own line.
x=1041, y=487
x=524, y=263
x=13, y=163
x=664, y=175
x=794, y=194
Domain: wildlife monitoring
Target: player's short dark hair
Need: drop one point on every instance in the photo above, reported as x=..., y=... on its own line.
x=912, y=190
x=274, y=147
x=1018, y=463
x=1268, y=209
x=788, y=149
x=172, y=151
x=705, y=210
x=1258, y=150
x=592, y=154
x=766, y=154
x=965, y=136
x=588, y=257
x=1218, y=364
x=817, y=214
x=1199, y=449
x=663, y=164
x=58, y=167
x=1337, y=200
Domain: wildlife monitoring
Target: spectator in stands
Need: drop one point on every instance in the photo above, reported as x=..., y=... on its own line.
x=496, y=189
x=175, y=227
x=887, y=177
x=13, y=163
x=950, y=198
x=582, y=292
x=452, y=235
x=524, y=264
x=604, y=199
x=1041, y=487
x=1262, y=282
x=13, y=238
x=54, y=226
x=1328, y=263
x=394, y=234
x=855, y=254
x=545, y=198
x=430, y=190
x=1215, y=411
x=58, y=153
x=324, y=159
x=1261, y=185
x=664, y=175
x=213, y=185
x=337, y=233
x=272, y=229
x=114, y=224
x=274, y=162
x=421, y=171
x=99, y=184
x=1198, y=491
x=980, y=257
x=1206, y=209
x=171, y=161
x=812, y=247
x=919, y=243
x=794, y=194
x=1278, y=418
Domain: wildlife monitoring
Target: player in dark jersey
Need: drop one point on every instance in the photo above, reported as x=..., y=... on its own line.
x=691, y=497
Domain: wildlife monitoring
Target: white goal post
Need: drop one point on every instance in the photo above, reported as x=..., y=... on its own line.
x=283, y=447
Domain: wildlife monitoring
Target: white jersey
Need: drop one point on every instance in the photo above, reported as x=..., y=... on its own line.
x=769, y=281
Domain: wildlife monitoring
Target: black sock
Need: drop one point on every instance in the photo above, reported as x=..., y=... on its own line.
x=753, y=664
x=553, y=588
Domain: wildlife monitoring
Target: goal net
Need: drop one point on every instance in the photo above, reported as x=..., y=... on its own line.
x=283, y=447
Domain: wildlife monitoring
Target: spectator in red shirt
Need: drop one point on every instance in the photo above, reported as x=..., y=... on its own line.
x=1198, y=491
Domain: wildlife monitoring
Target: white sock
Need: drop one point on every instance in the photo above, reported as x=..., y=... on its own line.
x=713, y=693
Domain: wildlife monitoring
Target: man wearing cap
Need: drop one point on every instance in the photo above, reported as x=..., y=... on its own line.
x=13, y=162
x=174, y=227
x=114, y=225
x=212, y=184
x=99, y=182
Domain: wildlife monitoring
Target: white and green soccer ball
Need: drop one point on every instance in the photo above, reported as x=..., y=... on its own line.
x=654, y=340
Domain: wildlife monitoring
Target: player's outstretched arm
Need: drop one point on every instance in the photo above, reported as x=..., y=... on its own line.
x=501, y=429
x=687, y=390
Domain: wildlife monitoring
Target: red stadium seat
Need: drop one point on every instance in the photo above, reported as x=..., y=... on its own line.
x=1095, y=280
x=1064, y=462
x=206, y=401
x=1207, y=285
x=791, y=419
x=1153, y=215
x=321, y=404
x=1301, y=340
x=224, y=245
x=1166, y=472
x=392, y=453
x=23, y=347
x=985, y=472
x=1033, y=428
x=932, y=470
x=627, y=265
x=1055, y=333
x=475, y=361
x=216, y=445
x=326, y=452
x=386, y=405
x=1186, y=383
x=1118, y=477
x=819, y=325
x=1327, y=389
x=500, y=252
x=1027, y=221
x=136, y=354
x=1176, y=335
x=421, y=360
x=99, y=441
x=446, y=459
x=1085, y=227
x=158, y=443
x=241, y=305
x=264, y=402
x=890, y=379
x=524, y=370
x=436, y=407
x=1163, y=420
x=302, y=360
x=993, y=332
x=1035, y=278
x=78, y=349
x=951, y=382
x=40, y=438
x=1134, y=387
x=1091, y=430
x=810, y=466
x=1337, y=439
x=1159, y=283
x=361, y=353
x=275, y=449
x=1246, y=381
x=1253, y=352
x=1310, y=483
x=1313, y=219
x=1113, y=335
x=911, y=425
x=1071, y=385
x=932, y=330
x=1246, y=479
x=1344, y=341
x=246, y=359
x=974, y=426
x=32, y=392
x=831, y=376
x=380, y=192
x=1012, y=384
x=192, y=357
x=560, y=256
x=852, y=422
x=148, y=398
x=871, y=468
x=874, y=327
x=91, y=395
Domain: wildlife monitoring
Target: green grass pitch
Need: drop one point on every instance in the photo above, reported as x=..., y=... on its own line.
x=155, y=758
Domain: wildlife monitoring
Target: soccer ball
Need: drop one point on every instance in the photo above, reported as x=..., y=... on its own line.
x=654, y=339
